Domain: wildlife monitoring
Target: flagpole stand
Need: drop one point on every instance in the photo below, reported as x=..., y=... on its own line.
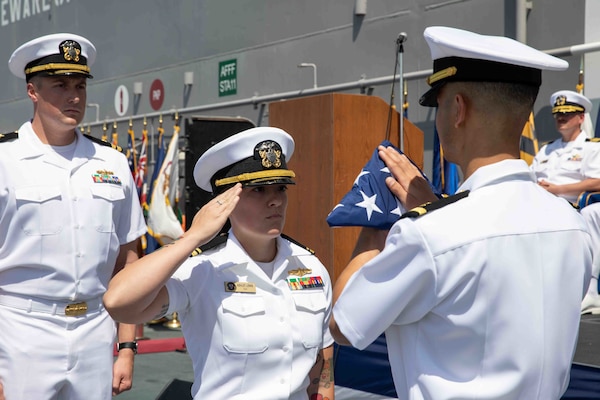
x=173, y=323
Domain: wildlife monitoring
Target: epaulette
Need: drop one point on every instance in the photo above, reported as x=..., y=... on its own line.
x=289, y=239
x=5, y=137
x=435, y=205
x=103, y=142
x=222, y=238
x=593, y=140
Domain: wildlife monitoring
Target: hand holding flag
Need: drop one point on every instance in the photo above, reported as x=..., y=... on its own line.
x=370, y=203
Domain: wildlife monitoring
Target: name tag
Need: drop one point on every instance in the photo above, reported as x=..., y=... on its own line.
x=309, y=282
x=240, y=287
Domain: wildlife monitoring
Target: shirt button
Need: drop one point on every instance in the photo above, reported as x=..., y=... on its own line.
x=285, y=349
x=282, y=319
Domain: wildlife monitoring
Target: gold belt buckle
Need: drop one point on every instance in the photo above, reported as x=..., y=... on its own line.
x=76, y=309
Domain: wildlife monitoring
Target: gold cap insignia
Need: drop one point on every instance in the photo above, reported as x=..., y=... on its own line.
x=270, y=154
x=70, y=50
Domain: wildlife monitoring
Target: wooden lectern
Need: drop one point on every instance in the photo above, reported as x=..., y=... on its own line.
x=335, y=136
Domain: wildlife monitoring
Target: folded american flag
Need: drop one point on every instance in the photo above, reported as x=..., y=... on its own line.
x=370, y=203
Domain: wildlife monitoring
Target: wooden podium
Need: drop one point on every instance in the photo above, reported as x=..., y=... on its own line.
x=335, y=136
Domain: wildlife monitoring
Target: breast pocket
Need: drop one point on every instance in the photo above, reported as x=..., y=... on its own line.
x=243, y=321
x=39, y=210
x=105, y=200
x=311, y=308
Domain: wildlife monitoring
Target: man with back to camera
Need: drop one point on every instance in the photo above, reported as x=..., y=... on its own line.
x=570, y=166
x=69, y=219
x=465, y=288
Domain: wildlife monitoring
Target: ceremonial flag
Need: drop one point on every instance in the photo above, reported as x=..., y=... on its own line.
x=115, y=135
x=405, y=102
x=529, y=144
x=104, y=133
x=369, y=203
x=151, y=243
x=587, y=126
x=162, y=221
x=141, y=169
x=131, y=153
x=160, y=156
x=446, y=177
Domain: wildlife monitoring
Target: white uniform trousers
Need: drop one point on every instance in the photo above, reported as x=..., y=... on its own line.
x=46, y=356
x=591, y=214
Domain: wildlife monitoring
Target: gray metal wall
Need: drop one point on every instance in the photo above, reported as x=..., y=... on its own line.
x=144, y=40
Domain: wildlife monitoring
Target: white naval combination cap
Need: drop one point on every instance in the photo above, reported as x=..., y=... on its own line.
x=55, y=54
x=464, y=56
x=567, y=101
x=254, y=157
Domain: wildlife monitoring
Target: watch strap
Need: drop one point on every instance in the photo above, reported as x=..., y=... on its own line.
x=127, y=345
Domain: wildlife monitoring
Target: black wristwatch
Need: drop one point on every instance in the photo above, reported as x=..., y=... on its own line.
x=127, y=345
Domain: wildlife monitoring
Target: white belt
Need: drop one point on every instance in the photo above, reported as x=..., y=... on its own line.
x=69, y=309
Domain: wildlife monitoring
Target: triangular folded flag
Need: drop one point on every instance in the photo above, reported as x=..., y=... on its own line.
x=370, y=203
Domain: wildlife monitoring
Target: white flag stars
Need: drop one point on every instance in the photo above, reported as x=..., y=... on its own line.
x=369, y=205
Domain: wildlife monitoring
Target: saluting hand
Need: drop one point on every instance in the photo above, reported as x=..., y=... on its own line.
x=209, y=220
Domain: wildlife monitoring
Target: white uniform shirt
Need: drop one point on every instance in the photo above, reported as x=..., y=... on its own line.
x=248, y=346
x=62, y=222
x=561, y=162
x=478, y=299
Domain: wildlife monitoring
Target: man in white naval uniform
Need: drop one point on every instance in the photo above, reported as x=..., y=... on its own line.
x=69, y=218
x=570, y=166
x=479, y=293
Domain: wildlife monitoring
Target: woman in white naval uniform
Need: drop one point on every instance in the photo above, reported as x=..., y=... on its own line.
x=254, y=306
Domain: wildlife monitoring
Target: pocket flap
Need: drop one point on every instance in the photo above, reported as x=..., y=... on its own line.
x=313, y=302
x=37, y=194
x=244, y=305
x=108, y=192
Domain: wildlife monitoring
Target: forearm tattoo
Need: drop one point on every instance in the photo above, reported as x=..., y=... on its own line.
x=163, y=311
x=325, y=379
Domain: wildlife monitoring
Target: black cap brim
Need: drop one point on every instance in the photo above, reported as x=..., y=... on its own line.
x=429, y=99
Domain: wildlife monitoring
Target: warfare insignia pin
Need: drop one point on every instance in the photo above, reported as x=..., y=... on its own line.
x=300, y=272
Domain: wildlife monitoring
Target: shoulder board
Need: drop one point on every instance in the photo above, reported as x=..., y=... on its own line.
x=427, y=207
x=103, y=142
x=289, y=239
x=5, y=137
x=222, y=238
x=593, y=140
